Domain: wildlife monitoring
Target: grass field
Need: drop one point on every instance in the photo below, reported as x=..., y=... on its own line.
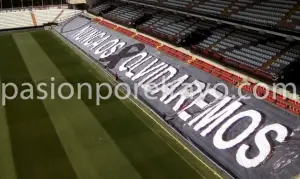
x=70, y=139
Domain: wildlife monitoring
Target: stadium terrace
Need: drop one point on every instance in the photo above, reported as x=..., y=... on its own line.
x=214, y=117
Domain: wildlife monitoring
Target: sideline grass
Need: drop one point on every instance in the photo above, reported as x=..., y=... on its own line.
x=85, y=141
x=7, y=168
x=36, y=148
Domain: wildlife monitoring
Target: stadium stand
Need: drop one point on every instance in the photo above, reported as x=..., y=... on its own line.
x=170, y=27
x=262, y=54
x=265, y=55
x=99, y=9
x=268, y=13
x=66, y=14
x=283, y=14
x=51, y=15
x=102, y=8
x=294, y=19
x=129, y=15
x=35, y=17
x=15, y=19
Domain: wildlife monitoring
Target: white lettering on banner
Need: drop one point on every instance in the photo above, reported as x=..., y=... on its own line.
x=215, y=115
x=262, y=144
x=185, y=93
x=200, y=102
x=133, y=66
x=87, y=35
x=206, y=115
x=219, y=117
x=139, y=56
x=153, y=71
x=150, y=67
x=80, y=32
x=106, y=46
x=169, y=88
x=170, y=70
x=89, y=40
x=112, y=50
x=218, y=138
x=98, y=42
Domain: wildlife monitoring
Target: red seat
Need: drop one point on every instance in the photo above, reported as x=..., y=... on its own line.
x=281, y=104
x=248, y=88
x=108, y=24
x=294, y=110
x=216, y=72
x=125, y=31
x=270, y=97
x=296, y=103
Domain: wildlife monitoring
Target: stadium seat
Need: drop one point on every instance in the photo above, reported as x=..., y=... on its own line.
x=265, y=55
x=170, y=27
x=294, y=20
x=128, y=15
x=23, y=18
x=67, y=14
x=265, y=13
x=15, y=19
x=101, y=8
x=50, y=15
x=284, y=14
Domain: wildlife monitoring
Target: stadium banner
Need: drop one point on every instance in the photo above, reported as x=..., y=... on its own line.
x=249, y=138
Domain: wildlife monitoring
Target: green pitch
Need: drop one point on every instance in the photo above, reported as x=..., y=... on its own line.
x=76, y=139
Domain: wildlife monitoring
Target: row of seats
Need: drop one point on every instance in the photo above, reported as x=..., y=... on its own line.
x=18, y=19
x=50, y=15
x=287, y=58
x=266, y=55
x=67, y=14
x=15, y=19
x=171, y=27
x=128, y=14
x=295, y=19
x=250, y=50
x=270, y=13
x=101, y=8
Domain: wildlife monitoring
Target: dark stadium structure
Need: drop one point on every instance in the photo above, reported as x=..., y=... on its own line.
x=268, y=56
